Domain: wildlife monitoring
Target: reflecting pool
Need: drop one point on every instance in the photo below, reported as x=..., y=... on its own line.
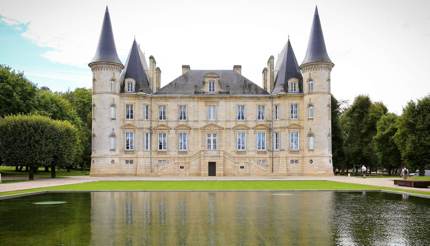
x=215, y=218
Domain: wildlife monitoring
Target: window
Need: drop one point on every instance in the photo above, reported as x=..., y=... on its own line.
x=294, y=140
x=112, y=111
x=162, y=112
x=276, y=112
x=129, y=162
x=130, y=86
x=211, y=86
x=261, y=141
x=241, y=141
x=311, y=142
x=260, y=112
x=112, y=86
x=240, y=112
x=129, y=111
x=211, y=141
x=162, y=141
x=129, y=140
x=293, y=111
x=311, y=111
x=276, y=140
x=112, y=142
x=310, y=86
x=211, y=112
x=183, y=141
x=147, y=141
x=146, y=112
x=293, y=87
x=182, y=112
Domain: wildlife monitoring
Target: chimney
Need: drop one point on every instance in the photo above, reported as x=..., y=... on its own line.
x=185, y=68
x=237, y=69
x=157, y=78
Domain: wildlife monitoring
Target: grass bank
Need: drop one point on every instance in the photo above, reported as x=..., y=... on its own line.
x=211, y=185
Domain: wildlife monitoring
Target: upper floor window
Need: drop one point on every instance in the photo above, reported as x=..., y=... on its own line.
x=211, y=85
x=129, y=113
x=260, y=112
x=112, y=86
x=112, y=142
x=241, y=141
x=310, y=86
x=147, y=141
x=129, y=140
x=240, y=112
x=112, y=111
x=294, y=111
x=211, y=141
x=162, y=141
x=311, y=111
x=162, y=112
x=183, y=141
x=146, y=112
x=294, y=140
x=276, y=112
x=211, y=112
x=311, y=142
x=130, y=86
x=293, y=87
x=182, y=112
x=276, y=140
x=261, y=141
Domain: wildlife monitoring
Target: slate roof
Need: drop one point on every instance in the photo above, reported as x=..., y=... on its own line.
x=135, y=69
x=316, y=51
x=231, y=82
x=287, y=68
x=106, y=50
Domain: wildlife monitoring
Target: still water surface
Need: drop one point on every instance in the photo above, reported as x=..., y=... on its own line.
x=215, y=218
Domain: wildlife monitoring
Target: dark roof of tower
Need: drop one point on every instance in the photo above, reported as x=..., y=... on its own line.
x=231, y=82
x=316, y=51
x=135, y=69
x=106, y=50
x=289, y=68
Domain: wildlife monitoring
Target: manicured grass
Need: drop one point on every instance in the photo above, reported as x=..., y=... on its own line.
x=424, y=178
x=9, y=171
x=211, y=185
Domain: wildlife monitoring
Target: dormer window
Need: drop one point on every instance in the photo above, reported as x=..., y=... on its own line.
x=293, y=87
x=130, y=86
x=211, y=85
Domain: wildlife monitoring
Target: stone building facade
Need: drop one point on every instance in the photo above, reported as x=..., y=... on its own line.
x=211, y=122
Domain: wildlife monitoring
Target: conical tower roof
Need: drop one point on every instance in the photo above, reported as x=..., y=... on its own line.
x=134, y=69
x=106, y=50
x=316, y=51
x=288, y=68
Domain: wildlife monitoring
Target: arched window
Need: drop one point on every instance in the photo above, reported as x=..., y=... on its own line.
x=311, y=111
x=311, y=142
x=310, y=86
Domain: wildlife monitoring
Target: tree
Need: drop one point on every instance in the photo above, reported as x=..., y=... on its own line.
x=17, y=94
x=413, y=135
x=386, y=150
x=337, y=136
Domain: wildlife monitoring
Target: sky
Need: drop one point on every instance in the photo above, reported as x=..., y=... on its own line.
x=380, y=48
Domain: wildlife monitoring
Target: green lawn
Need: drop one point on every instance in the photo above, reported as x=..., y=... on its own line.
x=9, y=171
x=210, y=185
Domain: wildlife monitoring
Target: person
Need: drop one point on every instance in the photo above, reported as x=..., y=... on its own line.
x=363, y=170
x=405, y=173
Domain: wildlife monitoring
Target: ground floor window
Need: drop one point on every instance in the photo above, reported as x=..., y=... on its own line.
x=261, y=141
x=183, y=141
x=211, y=141
x=294, y=140
x=129, y=140
x=162, y=141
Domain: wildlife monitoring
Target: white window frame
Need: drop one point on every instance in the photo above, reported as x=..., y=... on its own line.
x=211, y=141
x=260, y=112
x=129, y=141
x=147, y=141
x=276, y=141
x=130, y=86
x=240, y=114
x=276, y=111
x=183, y=112
x=294, y=138
x=162, y=141
x=293, y=87
x=162, y=112
x=211, y=86
x=311, y=84
x=146, y=111
x=129, y=111
x=183, y=141
x=311, y=142
x=212, y=112
x=261, y=141
x=294, y=111
x=113, y=112
x=311, y=111
x=241, y=141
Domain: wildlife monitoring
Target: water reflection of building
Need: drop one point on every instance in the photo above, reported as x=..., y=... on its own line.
x=211, y=218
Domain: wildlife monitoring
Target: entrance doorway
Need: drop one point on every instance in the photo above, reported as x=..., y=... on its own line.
x=212, y=168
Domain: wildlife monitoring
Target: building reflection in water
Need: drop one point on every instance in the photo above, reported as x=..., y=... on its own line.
x=211, y=218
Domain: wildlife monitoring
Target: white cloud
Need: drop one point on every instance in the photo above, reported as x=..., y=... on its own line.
x=380, y=47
